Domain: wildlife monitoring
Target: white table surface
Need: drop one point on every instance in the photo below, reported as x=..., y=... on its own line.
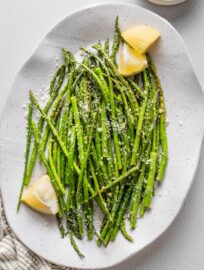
x=24, y=22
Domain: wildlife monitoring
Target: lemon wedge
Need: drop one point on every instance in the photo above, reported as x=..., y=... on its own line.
x=131, y=62
x=41, y=196
x=141, y=37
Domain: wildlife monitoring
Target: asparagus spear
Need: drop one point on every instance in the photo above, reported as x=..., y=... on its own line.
x=78, y=128
x=80, y=180
x=104, y=130
x=146, y=202
x=107, y=46
x=139, y=92
x=122, y=211
x=28, y=142
x=130, y=94
x=124, y=232
x=140, y=123
x=33, y=155
x=116, y=181
x=81, y=255
x=69, y=171
x=52, y=166
x=64, y=122
x=116, y=41
x=162, y=111
x=137, y=193
x=48, y=168
x=57, y=79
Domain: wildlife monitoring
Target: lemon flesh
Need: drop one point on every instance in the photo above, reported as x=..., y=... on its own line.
x=131, y=62
x=141, y=37
x=41, y=197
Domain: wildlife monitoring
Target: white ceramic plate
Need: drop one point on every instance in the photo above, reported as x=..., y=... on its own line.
x=185, y=107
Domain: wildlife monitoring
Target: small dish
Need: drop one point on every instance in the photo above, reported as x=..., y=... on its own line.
x=166, y=2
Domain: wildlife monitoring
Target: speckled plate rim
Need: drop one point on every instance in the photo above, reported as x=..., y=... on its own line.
x=200, y=143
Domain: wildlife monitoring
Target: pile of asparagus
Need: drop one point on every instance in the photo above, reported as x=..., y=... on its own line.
x=102, y=140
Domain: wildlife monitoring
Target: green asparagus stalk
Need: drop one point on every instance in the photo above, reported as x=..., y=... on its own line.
x=100, y=61
x=57, y=79
x=129, y=116
x=64, y=123
x=102, y=87
x=28, y=142
x=98, y=143
x=33, y=155
x=60, y=225
x=78, y=129
x=136, y=198
x=116, y=181
x=52, y=166
x=49, y=122
x=164, y=159
x=131, y=97
x=109, y=223
x=104, y=130
x=124, y=232
x=140, y=123
x=96, y=184
x=69, y=176
x=163, y=136
x=122, y=211
x=98, y=163
x=116, y=41
x=55, y=145
x=55, y=112
x=69, y=59
x=146, y=202
x=107, y=46
x=74, y=245
x=81, y=177
x=47, y=167
x=134, y=85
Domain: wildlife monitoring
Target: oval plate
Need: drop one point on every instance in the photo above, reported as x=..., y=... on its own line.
x=185, y=106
